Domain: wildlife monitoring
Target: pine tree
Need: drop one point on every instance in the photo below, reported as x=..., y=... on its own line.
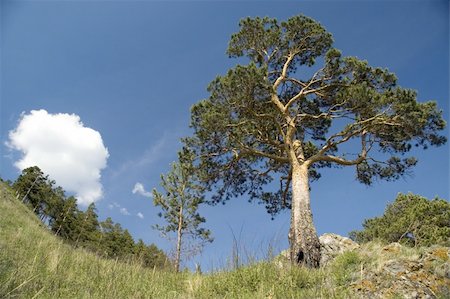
x=179, y=206
x=34, y=189
x=66, y=223
x=299, y=106
x=88, y=228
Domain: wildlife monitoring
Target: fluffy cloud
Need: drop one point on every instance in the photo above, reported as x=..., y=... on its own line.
x=70, y=153
x=139, y=189
x=140, y=215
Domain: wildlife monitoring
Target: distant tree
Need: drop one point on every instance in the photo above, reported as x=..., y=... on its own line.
x=299, y=106
x=179, y=204
x=35, y=189
x=116, y=242
x=55, y=202
x=66, y=221
x=88, y=228
x=411, y=219
x=81, y=228
x=126, y=244
x=150, y=256
x=112, y=238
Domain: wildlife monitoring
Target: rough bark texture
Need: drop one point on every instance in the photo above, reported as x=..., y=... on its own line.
x=303, y=239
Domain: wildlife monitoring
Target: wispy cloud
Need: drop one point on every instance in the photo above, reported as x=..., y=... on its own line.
x=139, y=189
x=124, y=211
x=140, y=215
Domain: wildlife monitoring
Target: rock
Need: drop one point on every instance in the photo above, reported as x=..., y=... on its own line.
x=392, y=248
x=332, y=245
x=411, y=277
x=436, y=254
x=439, y=255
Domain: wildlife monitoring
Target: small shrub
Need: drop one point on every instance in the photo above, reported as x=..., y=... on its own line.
x=411, y=220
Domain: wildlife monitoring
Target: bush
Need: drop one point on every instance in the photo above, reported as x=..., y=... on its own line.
x=412, y=220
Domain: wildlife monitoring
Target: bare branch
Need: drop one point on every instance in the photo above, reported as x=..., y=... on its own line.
x=348, y=133
x=339, y=160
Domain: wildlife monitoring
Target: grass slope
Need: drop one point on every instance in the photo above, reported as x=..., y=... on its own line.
x=36, y=264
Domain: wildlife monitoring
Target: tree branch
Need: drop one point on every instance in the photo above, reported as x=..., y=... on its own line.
x=338, y=160
x=283, y=75
x=247, y=150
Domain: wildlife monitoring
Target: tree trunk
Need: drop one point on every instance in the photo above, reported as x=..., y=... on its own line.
x=179, y=233
x=303, y=240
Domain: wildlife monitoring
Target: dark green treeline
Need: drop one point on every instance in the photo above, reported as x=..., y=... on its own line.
x=81, y=228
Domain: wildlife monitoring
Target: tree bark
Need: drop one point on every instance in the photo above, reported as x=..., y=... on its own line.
x=303, y=239
x=179, y=233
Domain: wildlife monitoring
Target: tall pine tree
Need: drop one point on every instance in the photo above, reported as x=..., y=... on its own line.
x=296, y=107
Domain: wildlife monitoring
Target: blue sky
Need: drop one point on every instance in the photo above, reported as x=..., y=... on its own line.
x=131, y=70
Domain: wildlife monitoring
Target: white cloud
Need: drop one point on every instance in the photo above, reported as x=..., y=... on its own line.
x=140, y=215
x=110, y=206
x=124, y=211
x=139, y=189
x=70, y=153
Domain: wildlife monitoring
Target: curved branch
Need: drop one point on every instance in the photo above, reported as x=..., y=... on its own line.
x=283, y=75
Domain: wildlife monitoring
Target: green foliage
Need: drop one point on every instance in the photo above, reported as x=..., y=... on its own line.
x=81, y=228
x=150, y=256
x=88, y=227
x=410, y=219
x=65, y=224
x=35, y=189
x=262, y=118
x=260, y=37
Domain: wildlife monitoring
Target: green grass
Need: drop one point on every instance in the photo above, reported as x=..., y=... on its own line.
x=36, y=264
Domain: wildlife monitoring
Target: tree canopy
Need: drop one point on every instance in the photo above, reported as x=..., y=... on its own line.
x=298, y=92
x=297, y=107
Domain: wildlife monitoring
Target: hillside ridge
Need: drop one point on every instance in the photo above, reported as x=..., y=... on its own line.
x=36, y=264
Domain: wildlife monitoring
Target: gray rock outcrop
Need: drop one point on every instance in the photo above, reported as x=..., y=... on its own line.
x=332, y=245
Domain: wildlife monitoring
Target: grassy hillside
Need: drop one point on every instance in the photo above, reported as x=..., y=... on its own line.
x=36, y=264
